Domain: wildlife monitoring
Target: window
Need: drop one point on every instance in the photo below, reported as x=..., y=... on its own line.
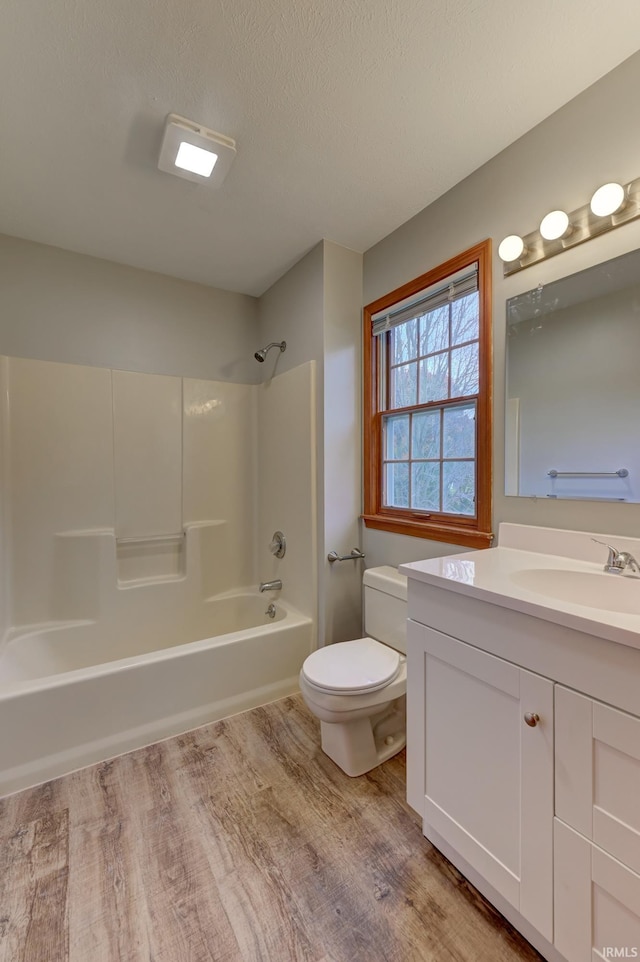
x=427, y=405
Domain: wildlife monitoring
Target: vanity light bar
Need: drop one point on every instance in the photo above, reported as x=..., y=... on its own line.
x=611, y=206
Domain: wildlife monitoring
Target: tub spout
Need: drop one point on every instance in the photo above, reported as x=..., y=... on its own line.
x=271, y=585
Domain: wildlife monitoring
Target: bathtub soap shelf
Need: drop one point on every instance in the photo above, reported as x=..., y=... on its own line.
x=150, y=559
x=143, y=539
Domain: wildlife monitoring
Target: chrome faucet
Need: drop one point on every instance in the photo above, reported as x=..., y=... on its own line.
x=271, y=585
x=618, y=560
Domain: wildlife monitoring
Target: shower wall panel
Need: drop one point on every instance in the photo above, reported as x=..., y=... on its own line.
x=60, y=452
x=287, y=492
x=147, y=424
x=92, y=457
x=219, y=475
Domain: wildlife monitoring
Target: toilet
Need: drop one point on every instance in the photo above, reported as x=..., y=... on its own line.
x=358, y=688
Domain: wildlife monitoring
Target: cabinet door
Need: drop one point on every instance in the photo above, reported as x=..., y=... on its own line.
x=598, y=774
x=597, y=901
x=488, y=776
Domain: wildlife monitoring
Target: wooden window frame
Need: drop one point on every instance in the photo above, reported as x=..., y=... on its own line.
x=454, y=529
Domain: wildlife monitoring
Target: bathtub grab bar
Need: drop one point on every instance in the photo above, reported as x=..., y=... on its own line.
x=334, y=556
x=152, y=537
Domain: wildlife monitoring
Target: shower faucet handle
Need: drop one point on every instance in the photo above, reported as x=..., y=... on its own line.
x=278, y=545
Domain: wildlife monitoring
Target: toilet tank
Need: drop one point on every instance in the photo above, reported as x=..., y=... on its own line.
x=385, y=606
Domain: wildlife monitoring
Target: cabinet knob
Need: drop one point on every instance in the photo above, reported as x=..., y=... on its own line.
x=532, y=719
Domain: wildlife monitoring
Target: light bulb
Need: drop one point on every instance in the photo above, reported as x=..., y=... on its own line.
x=607, y=200
x=511, y=248
x=554, y=225
x=196, y=159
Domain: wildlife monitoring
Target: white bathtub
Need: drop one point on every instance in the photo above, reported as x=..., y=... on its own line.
x=69, y=696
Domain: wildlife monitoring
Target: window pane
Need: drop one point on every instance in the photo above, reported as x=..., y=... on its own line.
x=404, y=380
x=465, y=318
x=459, y=432
x=425, y=486
x=464, y=371
x=425, y=438
x=397, y=485
x=458, y=487
x=434, y=330
x=404, y=341
x=397, y=438
x=434, y=380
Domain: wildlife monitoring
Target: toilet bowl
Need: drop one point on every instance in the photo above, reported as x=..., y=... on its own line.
x=357, y=689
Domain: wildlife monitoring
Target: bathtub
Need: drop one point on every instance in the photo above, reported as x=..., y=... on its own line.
x=72, y=695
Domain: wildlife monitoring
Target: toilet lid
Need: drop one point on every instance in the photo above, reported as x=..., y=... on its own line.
x=352, y=666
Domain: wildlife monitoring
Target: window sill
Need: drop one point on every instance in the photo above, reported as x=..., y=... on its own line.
x=434, y=531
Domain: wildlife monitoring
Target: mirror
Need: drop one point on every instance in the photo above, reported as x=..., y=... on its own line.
x=572, y=419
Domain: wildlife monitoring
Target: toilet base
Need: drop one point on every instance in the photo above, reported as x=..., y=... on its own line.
x=359, y=746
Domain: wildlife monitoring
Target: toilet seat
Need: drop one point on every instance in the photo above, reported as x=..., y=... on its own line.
x=351, y=667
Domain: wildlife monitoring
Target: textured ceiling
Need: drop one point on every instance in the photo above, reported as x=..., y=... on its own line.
x=350, y=116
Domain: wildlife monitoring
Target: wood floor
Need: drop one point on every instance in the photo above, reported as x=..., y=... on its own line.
x=238, y=841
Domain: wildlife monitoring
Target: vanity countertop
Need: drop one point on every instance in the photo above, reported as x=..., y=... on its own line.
x=565, y=590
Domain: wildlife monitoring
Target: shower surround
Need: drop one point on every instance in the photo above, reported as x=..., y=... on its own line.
x=138, y=511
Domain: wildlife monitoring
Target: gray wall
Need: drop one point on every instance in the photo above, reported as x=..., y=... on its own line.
x=60, y=306
x=342, y=452
x=316, y=308
x=292, y=311
x=559, y=163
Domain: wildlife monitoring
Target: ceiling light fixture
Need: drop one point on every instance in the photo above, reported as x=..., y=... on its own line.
x=611, y=206
x=194, y=152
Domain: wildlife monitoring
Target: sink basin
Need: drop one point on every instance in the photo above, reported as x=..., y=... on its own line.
x=590, y=589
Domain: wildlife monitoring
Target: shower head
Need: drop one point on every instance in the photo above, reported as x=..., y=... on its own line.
x=260, y=355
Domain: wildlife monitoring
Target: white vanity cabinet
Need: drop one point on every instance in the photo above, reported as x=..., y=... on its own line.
x=488, y=773
x=597, y=901
x=598, y=774
x=544, y=818
x=597, y=828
